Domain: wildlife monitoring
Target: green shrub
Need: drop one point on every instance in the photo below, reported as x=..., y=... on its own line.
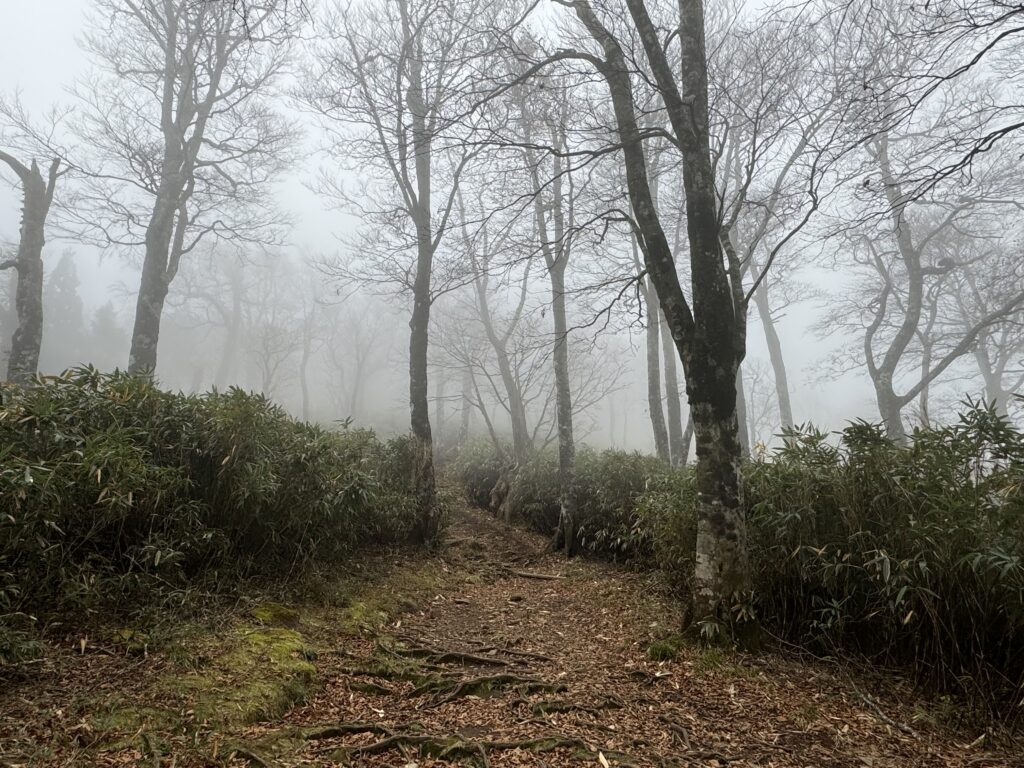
x=909, y=555
x=478, y=468
x=608, y=485
x=115, y=493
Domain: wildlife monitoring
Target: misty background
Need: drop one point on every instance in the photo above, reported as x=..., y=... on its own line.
x=356, y=345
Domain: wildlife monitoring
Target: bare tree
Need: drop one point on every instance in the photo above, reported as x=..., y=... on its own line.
x=18, y=137
x=913, y=254
x=710, y=337
x=392, y=84
x=185, y=141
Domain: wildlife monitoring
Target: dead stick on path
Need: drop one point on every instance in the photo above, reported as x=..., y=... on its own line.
x=540, y=576
x=902, y=727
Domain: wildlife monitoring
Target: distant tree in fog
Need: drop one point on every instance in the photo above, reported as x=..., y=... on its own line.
x=65, y=338
x=393, y=85
x=108, y=338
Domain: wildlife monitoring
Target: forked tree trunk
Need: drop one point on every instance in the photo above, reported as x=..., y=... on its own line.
x=37, y=195
x=428, y=514
x=710, y=338
x=722, y=570
x=555, y=246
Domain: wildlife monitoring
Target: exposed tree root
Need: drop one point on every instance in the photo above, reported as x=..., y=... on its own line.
x=366, y=686
x=346, y=729
x=545, y=707
x=253, y=758
x=438, y=656
x=484, y=648
x=444, y=691
x=452, y=747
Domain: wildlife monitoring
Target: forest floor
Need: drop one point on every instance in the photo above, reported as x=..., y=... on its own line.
x=492, y=652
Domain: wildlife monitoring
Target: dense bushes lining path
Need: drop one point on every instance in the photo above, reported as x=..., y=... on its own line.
x=492, y=652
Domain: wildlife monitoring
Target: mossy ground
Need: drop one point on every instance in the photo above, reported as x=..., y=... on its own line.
x=203, y=681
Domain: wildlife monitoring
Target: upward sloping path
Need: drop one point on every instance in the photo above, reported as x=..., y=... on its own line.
x=524, y=659
x=494, y=652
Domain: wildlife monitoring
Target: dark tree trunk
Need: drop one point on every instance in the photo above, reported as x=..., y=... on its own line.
x=709, y=339
x=429, y=520
x=157, y=272
x=37, y=195
x=673, y=402
x=419, y=405
x=567, y=522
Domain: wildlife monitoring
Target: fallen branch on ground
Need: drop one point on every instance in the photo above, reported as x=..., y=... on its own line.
x=902, y=727
x=539, y=576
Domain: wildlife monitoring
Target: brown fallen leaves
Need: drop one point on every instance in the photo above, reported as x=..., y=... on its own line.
x=545, y=664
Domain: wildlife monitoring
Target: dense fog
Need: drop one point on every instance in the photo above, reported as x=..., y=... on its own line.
x=298, y=284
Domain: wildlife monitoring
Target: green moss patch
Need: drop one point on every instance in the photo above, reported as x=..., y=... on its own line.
x=254, y=674
x=276, y=615
x=665, y=649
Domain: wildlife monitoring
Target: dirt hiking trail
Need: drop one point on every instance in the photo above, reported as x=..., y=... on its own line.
x=497, y=652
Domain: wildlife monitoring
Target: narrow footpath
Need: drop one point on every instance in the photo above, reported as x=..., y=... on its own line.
x=492, y=652
x=535, y=661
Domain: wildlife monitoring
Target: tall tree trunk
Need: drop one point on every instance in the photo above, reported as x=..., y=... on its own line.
x=37, y=194
x=429, y=520
x=710, y=338
x=155, y=280
x=419, y=404
x=687, y=439
x=673, y=402
x=567, y=521
x=661, y=440
x=778, y=362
